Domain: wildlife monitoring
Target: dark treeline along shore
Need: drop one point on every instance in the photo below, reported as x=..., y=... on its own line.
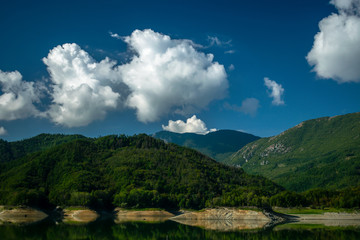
x=140, y=172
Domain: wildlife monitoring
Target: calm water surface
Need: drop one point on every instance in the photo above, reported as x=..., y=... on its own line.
x=107, y=229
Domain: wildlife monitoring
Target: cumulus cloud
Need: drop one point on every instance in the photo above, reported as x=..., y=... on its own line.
x=170, y=75
x=336, y=50
x=2, y=131
x=348, y=6
x=249, y=106
x=163, y=76
x=192, y=125
x=276, y=91
x=18, y=97
x=81, y=87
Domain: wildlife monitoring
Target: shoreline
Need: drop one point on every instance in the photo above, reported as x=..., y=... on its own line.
x=212, y=218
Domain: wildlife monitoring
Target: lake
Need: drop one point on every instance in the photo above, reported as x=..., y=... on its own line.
x=108, y=229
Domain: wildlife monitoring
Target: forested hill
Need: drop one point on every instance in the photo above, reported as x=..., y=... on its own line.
x=138, y=171
x=323, y=152
x=17, y=149
x=218, y=145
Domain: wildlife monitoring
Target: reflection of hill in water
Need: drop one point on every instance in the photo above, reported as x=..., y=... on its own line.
x=107, y=229
x=140, y=219
x=224, y=225
x=320, y=223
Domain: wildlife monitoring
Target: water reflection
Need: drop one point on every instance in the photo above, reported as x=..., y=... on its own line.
x=107, y=229
x=224, y=225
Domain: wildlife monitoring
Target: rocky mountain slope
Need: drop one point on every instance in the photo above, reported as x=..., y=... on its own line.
x=322, y=152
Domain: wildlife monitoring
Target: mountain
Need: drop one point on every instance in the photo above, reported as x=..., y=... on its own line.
x=17, y=149
x=138, y=171
x=322, y=152
x=218, y=145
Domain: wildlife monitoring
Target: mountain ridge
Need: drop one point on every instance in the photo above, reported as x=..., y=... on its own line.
x=217, y=145
x=322, y=152
x=17, y=149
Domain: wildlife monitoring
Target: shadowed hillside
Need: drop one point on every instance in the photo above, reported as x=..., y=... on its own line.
x=218, y=145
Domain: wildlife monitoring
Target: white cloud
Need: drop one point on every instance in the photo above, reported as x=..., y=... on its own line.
x=163, y=76
x=349, y=6
x=276, y=91
x=115, y=35
x=231, y=67
x=249, y=106
x=192, y=125
x=217, y=42
x=17, y=98
x=2, y=131
x=229, y=52
x=336, y=50
x=170, y=75
x=81, y=89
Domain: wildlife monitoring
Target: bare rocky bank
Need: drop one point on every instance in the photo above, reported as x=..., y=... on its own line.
x=79, y=216
x=20, y=215
x=213, y=218
x=224, y=219
x=124, y=215
x=223, y=214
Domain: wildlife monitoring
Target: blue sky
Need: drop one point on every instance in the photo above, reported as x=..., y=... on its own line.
x=112, y=67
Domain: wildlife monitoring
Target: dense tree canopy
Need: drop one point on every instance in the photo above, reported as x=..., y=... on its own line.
x=138, y=171
x=142, y=172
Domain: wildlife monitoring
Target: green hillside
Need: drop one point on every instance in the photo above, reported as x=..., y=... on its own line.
x=323, y=152
x=138, y=171
x=218, y=145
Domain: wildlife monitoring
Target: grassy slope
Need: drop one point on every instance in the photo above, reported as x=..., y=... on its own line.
x=322, y=152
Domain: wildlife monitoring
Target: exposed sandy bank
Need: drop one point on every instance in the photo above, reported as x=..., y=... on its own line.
x=224, y=219
x=223, y=214
x=123, y=215
x=79, y=216
x=20, y=215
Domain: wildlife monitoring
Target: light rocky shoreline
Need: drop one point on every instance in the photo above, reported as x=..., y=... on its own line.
x=123, y=215
x=79, y=216
x=20, y=215
x=223, y=219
